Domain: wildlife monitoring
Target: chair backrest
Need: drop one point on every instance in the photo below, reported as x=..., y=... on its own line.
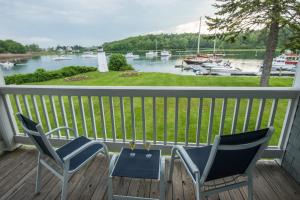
x=236, y=154
x=36, y=134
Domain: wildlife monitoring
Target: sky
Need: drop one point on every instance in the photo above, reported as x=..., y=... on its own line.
x=92, y=22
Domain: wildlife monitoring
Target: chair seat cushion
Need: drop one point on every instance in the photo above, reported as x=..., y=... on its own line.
x=82, y=156
x=199, y=156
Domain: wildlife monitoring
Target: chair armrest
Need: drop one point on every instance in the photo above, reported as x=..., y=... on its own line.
x=79, y=150
x=58, y=129
x=186, y=159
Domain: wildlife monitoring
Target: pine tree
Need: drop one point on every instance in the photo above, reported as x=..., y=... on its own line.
x=234, y=17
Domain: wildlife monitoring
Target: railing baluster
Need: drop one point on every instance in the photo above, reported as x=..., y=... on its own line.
x=260, y=113
x=102, y=117
x=248, y=114
x=176, y=121
x=287, y=123
x=112, y=117
x=27, y=108
x=74, y=122
x=64, y=115
x=211, y=120
x=53, y=109
x=144, y=120
x=10, y=112
x=273, y=112
x=17, y=100
x=45, y=111
x=123, y=119
x=154, y=120
x=91, y=106
x=187, y=127
x=82, y=113
x=199, y=121
x=35, y=107
x=165, y=120
x=235, y=115
x=223, y=115
x=132, y=118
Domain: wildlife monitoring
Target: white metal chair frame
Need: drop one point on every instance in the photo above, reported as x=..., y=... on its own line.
x=64, y=165
x=161, y=180
x=178, y=152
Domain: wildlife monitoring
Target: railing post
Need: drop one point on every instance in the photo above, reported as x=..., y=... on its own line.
x=7, y=142
x=291, y=158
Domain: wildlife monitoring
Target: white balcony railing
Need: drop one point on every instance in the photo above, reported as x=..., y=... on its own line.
x=163, y=115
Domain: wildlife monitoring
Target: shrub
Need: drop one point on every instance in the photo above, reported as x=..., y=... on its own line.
x=117, y=62
x=42, y=75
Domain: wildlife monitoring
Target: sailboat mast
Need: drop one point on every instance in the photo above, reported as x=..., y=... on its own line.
x=199, y=37
x=156, y=45
x=215, y=41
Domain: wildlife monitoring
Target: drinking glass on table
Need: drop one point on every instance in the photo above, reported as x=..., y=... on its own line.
x=132, y=146
x=147, y=146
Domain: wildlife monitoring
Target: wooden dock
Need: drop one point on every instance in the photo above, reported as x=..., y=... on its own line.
x=18, y=169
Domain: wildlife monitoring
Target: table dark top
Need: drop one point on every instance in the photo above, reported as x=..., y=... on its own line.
x=138, y=166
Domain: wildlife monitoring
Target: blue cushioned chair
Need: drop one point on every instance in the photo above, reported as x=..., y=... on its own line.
x=69, y=158
x=230, y=155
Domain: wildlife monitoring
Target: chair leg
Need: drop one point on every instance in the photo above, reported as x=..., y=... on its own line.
x=64, y=190
x=172, y=164
x=250, y=187
x=38, y=177
x=198, y=191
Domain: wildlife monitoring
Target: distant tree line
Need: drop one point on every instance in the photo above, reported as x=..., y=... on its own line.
x=185, y=41
x=10, y=46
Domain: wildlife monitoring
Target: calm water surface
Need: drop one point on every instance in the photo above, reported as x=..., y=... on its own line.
x=142, y=64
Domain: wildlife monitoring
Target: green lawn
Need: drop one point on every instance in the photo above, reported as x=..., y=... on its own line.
x=160, y=79
x=164, y=79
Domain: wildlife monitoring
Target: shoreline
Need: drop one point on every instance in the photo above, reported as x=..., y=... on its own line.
x=10, y=57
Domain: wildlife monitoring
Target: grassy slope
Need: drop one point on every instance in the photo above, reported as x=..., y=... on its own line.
x=160, y=79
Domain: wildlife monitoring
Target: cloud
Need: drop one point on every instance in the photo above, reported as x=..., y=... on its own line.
x=91, y=22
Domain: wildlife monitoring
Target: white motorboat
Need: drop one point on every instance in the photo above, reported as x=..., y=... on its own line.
x=130, y=55
x=212, y=64
x=89, y=55
x=165, y=53
x=286, y=61
x=7, y=65
x=151, y=54
x=61, y=58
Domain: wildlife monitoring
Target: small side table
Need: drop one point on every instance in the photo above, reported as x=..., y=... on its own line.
x=139, y=166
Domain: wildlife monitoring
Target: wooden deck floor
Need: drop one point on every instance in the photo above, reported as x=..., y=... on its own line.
x=18, y=169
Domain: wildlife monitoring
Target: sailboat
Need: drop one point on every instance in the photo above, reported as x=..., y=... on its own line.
x=198, y=59
x=152, y=54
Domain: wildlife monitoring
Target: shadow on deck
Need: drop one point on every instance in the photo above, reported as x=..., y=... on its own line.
x=18, y=169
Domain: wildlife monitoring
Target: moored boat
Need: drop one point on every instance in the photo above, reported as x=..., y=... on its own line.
x=7, y=65
x=165, y=53
x=130, y=55
x=61, y=58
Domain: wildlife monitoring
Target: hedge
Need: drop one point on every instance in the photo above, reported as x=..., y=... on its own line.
x=42, y=75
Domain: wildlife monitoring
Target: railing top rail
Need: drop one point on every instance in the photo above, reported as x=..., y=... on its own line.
x=154, y=91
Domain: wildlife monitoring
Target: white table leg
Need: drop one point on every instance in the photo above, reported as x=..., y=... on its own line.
x=162, y=182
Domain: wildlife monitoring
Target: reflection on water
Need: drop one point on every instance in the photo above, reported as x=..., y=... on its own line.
x=157, y=64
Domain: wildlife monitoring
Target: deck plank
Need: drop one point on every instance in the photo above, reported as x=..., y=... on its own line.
x=282, y=184
x=18, y=171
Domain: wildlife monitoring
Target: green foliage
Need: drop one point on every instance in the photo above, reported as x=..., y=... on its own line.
x=10, y=46
x=186, y=41
x=117, y=62
x=42, y=75
x=33, y=48
x=238, y=17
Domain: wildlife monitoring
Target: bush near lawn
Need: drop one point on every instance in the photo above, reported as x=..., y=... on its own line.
x=41, y=75
x=118, y=62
